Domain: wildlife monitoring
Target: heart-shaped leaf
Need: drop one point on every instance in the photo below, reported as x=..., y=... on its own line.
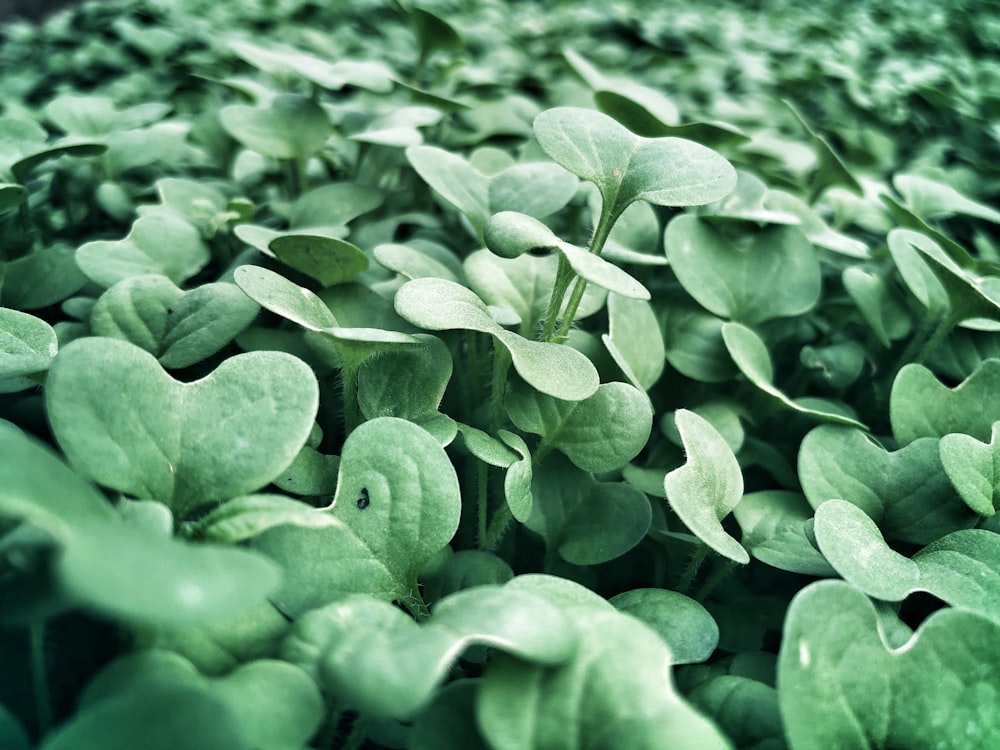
x=906, y=492
x=601, y=433
x=922, y=406
x=293, y=127
x=940, y=688
x=178, y=328
x=626, y=167
x=157, y=244
x=123, y=422
x=959, y=568
x=440, y=305
x=974, y=469
x=707, y=488
x=397, y=505
x=586, y=521
x=776, y=275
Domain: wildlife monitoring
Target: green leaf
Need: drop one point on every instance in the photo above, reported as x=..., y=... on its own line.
x=922, y=406
x=150, y=579
x=330, y=261
x=511, y=233
x=276, y=704
x=455, y=180
x=367, y=74
x=410, y=384
x=707, y=488
x=524, y=285
x=775, y=275
x=27, y=344
x=123, y=422
x=157, y=244
x=47, y=275
x=378, y=660
x=906, y=492
x=140, y=718
x=747, y=203
x=745, y=709
x=517, y=480
x=37, y=486
x=600, y=433
x=245, y=517
x=695, y=346
x=856, y=549
x=586, y=521
x=279, y=295
x=750, y=354
x=600, y=272
x=929, y=198
x=684, y=625
x=397, y=505
x=635, y=340
x=448, y=722
x=773, y=525
x=333, y=204
x=535, y=188
x=12, y=195
x=974, y=469
x=937, y=689
x=178, y=328
x=830, y=170
x=878, y=303
x=292, y=127
x=626, y=167
x=611, y=693
x=439, y=305
x=959, y=568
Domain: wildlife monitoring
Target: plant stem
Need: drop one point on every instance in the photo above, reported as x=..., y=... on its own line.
x=597, y=242
x=40, y=678
x=691, y=570
x=482, y=504
x=498, y=391
x=349, y=392
x=359, y=731
x=564, y=275
x=498, y=527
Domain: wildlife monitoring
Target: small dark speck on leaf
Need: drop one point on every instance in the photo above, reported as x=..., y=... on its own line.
x=364, y=501
x=170, y=311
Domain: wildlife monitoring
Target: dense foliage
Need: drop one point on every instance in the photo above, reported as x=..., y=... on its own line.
x=500, y=377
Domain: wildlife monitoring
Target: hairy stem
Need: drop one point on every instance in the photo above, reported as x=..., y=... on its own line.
x=40, y=678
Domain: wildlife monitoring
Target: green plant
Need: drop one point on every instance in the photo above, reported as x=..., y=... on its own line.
x=451, y=390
